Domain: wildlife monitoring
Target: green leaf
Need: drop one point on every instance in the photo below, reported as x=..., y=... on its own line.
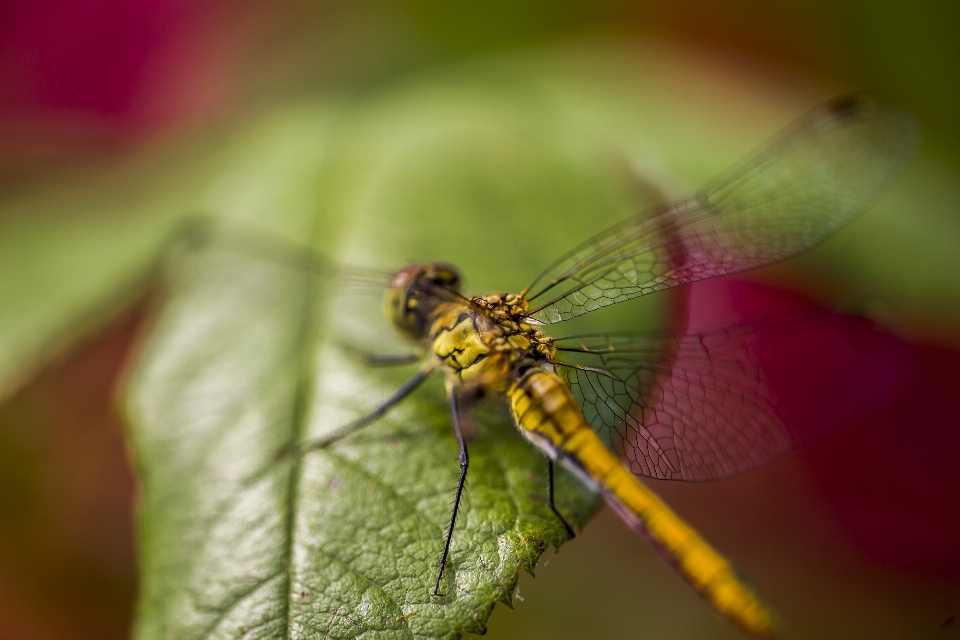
x=242, y=363
x=345, y=540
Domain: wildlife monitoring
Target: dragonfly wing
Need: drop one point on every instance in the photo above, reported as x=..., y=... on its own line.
x=712, y=405
x=815, y=177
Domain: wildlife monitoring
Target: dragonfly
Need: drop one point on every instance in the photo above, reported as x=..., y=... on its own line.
x=614, y=408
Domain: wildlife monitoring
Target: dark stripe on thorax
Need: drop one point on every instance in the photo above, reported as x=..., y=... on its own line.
x=464, y=315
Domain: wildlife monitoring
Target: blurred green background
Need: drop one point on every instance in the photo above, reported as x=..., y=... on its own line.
x=390, y=132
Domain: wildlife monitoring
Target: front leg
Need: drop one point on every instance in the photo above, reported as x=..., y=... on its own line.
x=405, y=390
x=464, y=464
x=381, y=359
x=390, y=359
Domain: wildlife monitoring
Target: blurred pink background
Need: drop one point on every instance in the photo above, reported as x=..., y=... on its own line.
x=83, y=81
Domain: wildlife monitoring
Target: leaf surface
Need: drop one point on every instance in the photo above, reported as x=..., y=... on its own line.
x=345, y=539
x=244, y=360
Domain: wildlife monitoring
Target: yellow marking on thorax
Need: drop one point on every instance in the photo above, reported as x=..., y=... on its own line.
x=470, y=345
x=548, y=415
x=456, y=340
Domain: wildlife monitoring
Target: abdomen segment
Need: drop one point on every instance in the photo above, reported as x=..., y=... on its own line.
x=547, y=414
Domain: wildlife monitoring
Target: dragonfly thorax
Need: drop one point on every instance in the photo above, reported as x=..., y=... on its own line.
x=488, y=340
x=504, y=306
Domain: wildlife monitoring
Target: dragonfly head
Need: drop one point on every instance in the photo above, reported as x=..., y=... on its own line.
x=413, y=292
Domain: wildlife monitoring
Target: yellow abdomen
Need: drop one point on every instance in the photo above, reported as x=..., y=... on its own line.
x=548, y=415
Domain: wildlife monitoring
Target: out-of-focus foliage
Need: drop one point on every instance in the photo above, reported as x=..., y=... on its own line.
x=73, y=255
x=425, y=134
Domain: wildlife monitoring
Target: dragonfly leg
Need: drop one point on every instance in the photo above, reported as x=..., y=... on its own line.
x=405, y=389
x=464, y=463
x=380, y=359
x=553, y=506
x=390, y=359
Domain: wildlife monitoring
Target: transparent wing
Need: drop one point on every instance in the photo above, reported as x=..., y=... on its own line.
x=712, y=405
x=815, y=177
x=198, y=232
x=352, y=295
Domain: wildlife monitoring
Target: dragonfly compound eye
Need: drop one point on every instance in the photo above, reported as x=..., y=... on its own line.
x=401, y=300
x=415, y=291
